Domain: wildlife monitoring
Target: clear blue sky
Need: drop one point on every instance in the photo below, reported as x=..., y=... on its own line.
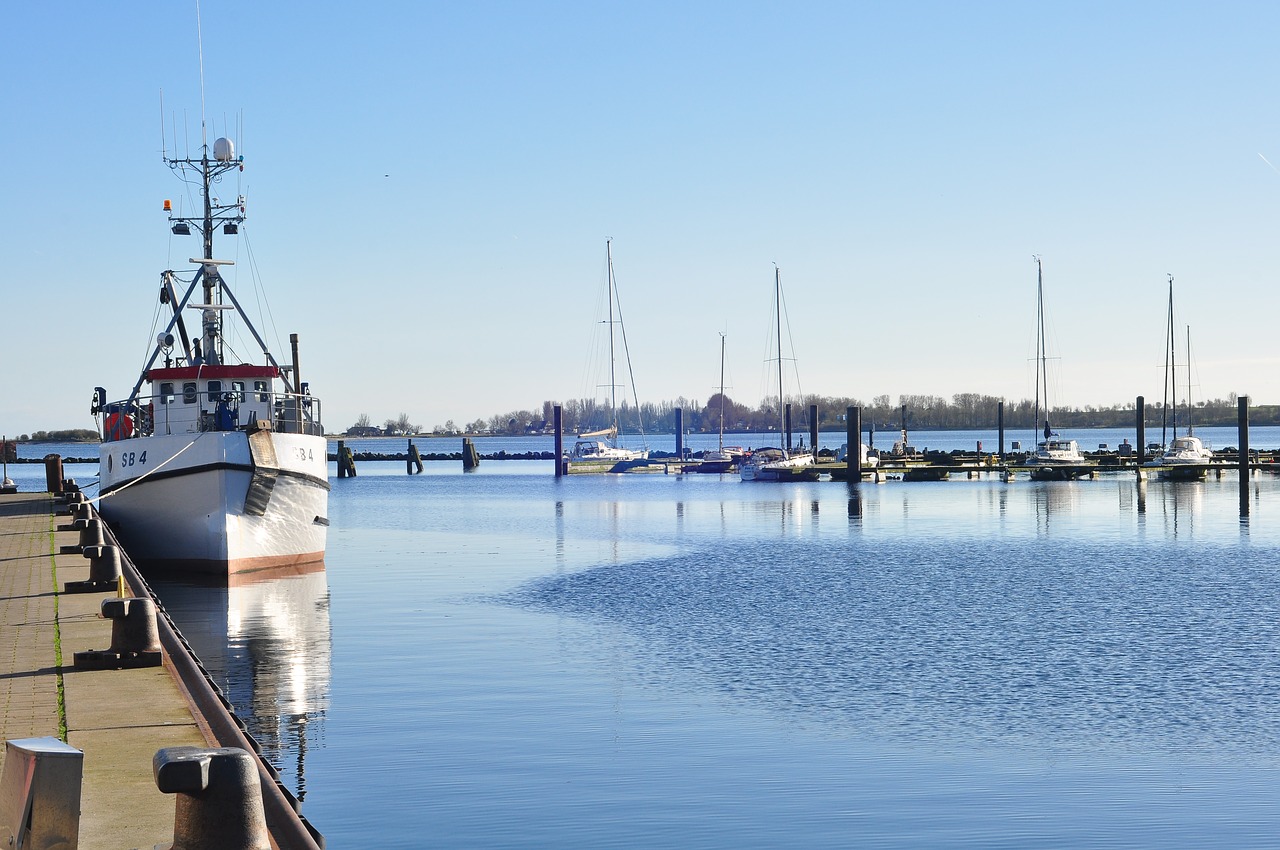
x=430, y=187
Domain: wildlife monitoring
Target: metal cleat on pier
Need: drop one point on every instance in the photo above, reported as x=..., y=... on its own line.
x=135, y=637
x=219, y=798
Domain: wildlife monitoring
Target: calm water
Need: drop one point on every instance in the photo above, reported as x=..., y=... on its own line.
x=503, y=660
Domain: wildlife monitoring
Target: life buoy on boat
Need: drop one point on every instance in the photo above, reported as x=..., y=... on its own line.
x=118, y=427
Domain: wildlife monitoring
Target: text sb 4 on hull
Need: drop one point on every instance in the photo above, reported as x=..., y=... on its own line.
x=215, y=466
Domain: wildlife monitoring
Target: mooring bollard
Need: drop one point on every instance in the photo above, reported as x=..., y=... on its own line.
x=135, y=637
x=53, y=474
x=219, y=798
x=470, y=457
x=104, y=571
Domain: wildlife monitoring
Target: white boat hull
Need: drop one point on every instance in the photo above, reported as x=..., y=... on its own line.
x=204, y=502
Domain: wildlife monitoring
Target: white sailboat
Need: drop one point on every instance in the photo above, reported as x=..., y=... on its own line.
x=723, y=458
x=218, y=465
x=770, y=464
x=1186, y=458
x=602, y=445
x=1055, y=458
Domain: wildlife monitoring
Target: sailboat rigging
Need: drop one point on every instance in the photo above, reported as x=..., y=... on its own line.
x=1186, y=458
x=601, y=444
x=723, y=458
x=1055, y=458
x=770, y=464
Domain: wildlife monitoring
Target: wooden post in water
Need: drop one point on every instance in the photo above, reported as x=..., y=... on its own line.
x=679, y=433
x=470, y=457
x=853, y=436
x=1242, y=425
x=342, y=459
x=813, y=430
x=413, y=459
x=559, y=430
x=1000, y=428
x=1142, y=430
x=786, y=426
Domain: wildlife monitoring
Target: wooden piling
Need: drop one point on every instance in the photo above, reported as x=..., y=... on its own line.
x=786, y=426
x=342, y=458
x=813, y=430
x=1142, y=430
x=559, y=431
x=679, y=433
x=470, y=457
x=853, y=436
x=1000, y=428
x=1242, y=426
x=413, y=459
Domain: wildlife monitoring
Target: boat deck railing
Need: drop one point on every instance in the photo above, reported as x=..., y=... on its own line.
x=145, y=416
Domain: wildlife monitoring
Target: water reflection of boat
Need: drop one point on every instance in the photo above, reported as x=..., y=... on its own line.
x=267, y=644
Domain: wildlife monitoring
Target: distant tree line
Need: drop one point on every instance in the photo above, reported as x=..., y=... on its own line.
x=962, y=411
x=71, y=435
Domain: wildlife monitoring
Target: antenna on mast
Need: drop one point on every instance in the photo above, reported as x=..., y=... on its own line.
x=204, y=137
x=164, y=153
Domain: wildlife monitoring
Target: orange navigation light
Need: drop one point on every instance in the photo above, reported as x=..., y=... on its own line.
x=168, y=205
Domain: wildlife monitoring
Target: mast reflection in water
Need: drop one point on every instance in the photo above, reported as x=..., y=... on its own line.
x=266, y=642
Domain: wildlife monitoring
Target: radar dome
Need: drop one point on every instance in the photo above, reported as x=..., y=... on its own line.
x=224, y=150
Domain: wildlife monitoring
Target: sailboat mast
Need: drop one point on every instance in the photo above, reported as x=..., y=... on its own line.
x=1042, y=372
x=1173, y=370
x=722, y=391
x=1189, y=407
x=613, y=383
x=777, y=293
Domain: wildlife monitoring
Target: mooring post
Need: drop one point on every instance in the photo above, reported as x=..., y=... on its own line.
x=853, y=433
x=786, y=426
x=470, y=457
x=679, y=433
x=813, y=430
x=1142, y=430
x=559, y=440
x=412, y=459
x=1000, y=428
x=342, y=460
x=1243, y=426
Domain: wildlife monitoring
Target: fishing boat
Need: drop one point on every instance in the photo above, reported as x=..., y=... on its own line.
x=1186, y=458
x=773, y=464
x=723, y=458
x=212, y=463
x=602, y=445
x=1055, y=457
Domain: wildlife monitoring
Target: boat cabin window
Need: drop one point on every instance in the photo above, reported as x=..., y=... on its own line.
x=237, y=390
x=166, y=392
x=189, y=392
x=215, y=390
x=260, y=387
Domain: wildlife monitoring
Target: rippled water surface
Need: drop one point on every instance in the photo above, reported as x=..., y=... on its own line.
x=505, y=660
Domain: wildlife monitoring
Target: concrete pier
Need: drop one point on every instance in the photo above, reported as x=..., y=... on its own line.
x=118, y=718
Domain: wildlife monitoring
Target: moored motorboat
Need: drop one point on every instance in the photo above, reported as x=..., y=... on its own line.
x=218, y=466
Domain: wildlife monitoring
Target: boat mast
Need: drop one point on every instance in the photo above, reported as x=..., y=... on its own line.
x=1189, y=407
x=722, y=391
x=1042, y=371
x=782, y=416
x=1171, y=380
x=613, y=383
